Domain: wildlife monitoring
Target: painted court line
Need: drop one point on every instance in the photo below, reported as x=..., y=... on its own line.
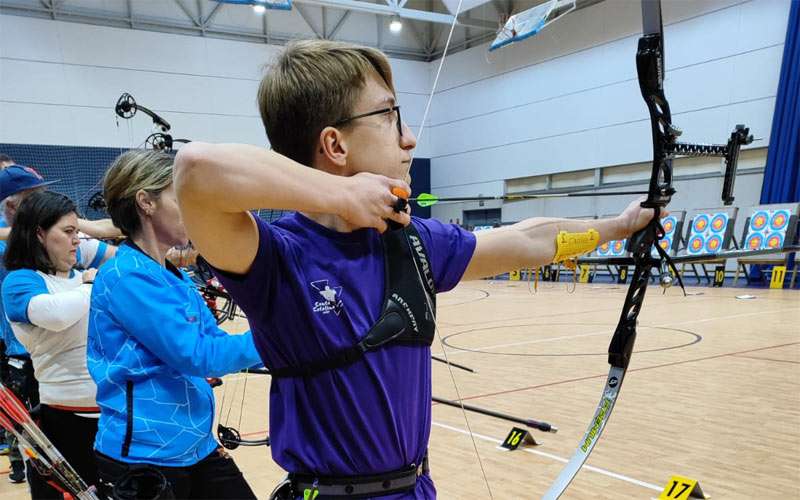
x=603, y=332
x=598, y=470
x=643, y=368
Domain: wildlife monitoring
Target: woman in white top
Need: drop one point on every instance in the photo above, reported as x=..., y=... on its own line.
x=47, y=304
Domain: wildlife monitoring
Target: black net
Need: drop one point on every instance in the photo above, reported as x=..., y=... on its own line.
x=79, y=171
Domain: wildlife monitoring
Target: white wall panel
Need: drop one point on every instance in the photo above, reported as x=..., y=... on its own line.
x=565, y=100
x=568, y=98
x=59, y=83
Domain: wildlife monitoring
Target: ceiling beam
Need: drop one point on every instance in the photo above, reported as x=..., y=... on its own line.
x=129, y=9
x=386, y=10
x=129, y=19
x=339, y=25
x=188, y=13
x=205, y=23
x=307, y=18
x=417, y=35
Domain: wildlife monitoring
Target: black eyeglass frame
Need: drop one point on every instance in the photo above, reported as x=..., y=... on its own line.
x=373, y=113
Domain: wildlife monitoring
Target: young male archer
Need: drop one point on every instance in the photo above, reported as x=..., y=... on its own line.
x=339, y=306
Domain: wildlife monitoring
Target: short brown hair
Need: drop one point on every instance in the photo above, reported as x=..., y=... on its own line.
x=133, y=170
x=311, y=85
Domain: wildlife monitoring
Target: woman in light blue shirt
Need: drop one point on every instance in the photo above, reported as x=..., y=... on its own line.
x=152, y=342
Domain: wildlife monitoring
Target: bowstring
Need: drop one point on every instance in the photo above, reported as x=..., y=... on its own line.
x=416, y=266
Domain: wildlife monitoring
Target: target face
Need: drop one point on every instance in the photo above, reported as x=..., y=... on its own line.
x=775, y=240
x=713, y=243
x=619, y=246
x=695, y=244
x=700, y=223
x=668, y=224
x=665, y=243
x=779, y=221
x=754, y=241
x=719, y=223
x=603, y=249
x=759, y=220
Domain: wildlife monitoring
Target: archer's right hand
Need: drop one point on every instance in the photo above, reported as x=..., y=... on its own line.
x=369, y=201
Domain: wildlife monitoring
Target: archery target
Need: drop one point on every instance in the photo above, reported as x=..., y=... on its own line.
x=713, y=243
x=613, y=248
x=767, y=229
x=779, y=220
x=696, y=244
x=775, y=240
x=668, y=223
x=700, y=223
x=754, y=241
x=719, y=223
x=759, y=220
x=708, y=233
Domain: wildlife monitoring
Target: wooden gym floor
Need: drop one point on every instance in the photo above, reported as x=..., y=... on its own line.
x=712, y=393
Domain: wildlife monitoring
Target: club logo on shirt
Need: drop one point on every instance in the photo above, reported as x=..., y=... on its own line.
x=331, y=297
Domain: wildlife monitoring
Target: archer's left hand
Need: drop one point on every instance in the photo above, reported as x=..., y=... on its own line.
x=634, y=217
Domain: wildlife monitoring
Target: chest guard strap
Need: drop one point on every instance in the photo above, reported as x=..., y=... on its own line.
x=405, y=318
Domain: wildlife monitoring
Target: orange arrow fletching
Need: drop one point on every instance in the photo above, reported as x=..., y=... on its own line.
x=400, y=193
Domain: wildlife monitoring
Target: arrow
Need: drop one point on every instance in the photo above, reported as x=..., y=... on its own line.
x=427, y=199
x=534, y=424
x=454, y=365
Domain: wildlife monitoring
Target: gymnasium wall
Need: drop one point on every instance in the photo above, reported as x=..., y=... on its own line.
x=59, y=82
x=559, y=110
x=567, y=100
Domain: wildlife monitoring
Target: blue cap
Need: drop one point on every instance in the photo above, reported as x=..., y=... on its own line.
x=16, y=178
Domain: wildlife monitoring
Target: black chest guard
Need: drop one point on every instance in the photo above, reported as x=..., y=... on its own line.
x=405, y=318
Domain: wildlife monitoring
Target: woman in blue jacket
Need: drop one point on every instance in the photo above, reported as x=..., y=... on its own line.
x=152, y=341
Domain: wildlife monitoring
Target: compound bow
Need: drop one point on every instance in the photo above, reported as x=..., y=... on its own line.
x=161, y=140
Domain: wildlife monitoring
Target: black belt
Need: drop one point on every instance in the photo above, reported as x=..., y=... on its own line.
x=360, y=486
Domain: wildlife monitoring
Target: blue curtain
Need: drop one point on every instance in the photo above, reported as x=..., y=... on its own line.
x=782, y=174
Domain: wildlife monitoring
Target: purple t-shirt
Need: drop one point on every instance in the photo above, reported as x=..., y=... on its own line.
x=311, y=292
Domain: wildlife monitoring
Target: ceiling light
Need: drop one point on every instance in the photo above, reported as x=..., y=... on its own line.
x=396, y=25
x=259, y=9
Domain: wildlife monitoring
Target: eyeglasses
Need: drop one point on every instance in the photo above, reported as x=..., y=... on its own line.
x=385, y=111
